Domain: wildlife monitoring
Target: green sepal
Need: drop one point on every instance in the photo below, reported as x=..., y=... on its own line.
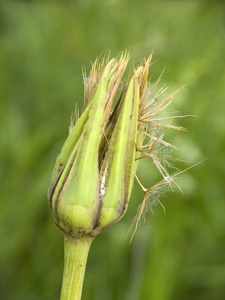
x=116, y=171
x=66, y=152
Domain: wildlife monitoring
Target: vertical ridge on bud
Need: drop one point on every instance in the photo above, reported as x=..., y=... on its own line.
x=131, y=146
x=66, y=152
x=113, y=171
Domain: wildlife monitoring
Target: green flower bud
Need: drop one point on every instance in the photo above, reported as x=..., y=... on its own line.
x=93, y=175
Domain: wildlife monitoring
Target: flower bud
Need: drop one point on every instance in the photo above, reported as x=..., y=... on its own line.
x=93, y=175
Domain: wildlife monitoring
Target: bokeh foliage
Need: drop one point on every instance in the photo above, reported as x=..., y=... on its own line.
x=43, y=45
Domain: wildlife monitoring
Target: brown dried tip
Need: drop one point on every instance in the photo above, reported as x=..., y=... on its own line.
x=152, y=126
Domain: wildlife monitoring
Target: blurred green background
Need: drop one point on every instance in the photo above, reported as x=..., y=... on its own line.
x=43, y=45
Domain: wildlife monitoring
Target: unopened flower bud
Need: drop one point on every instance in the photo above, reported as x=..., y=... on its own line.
x=93, y=175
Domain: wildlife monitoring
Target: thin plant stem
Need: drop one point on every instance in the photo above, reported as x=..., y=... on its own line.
x=75, y=258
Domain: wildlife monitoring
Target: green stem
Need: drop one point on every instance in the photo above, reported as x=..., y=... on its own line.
x=75, y=259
